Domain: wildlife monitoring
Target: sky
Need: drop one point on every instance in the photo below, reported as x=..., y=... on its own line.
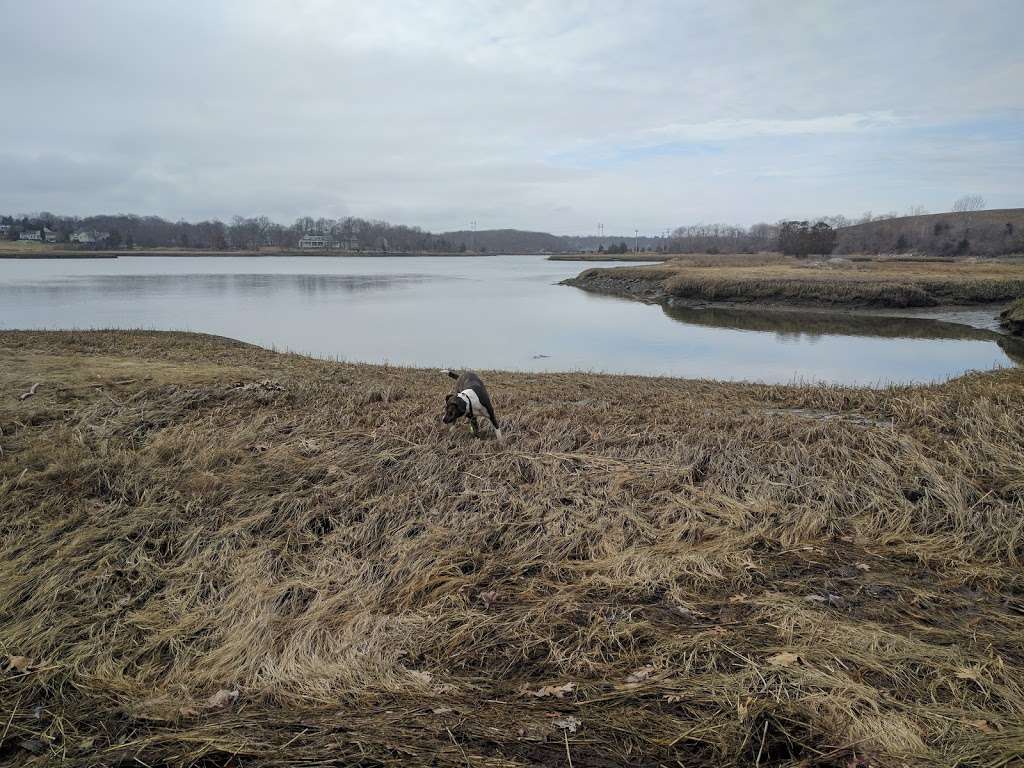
x=552, y=116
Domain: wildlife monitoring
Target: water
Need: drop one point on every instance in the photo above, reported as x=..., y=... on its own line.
x=490, y=312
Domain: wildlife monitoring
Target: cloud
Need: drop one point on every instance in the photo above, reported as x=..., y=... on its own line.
x=544, y=115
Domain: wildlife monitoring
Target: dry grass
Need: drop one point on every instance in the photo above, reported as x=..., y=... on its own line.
x=781, y=280
x=728, y=574
x=1012, y=318
x=24, y=247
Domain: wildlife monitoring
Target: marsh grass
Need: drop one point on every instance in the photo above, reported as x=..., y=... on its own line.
x=728, y=574
x=771, y=278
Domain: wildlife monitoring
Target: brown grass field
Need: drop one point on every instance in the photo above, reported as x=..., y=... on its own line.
x=216, y=555
x=776, y=279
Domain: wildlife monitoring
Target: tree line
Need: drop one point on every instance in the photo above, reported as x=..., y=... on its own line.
x=259, y=232
x=968, y=229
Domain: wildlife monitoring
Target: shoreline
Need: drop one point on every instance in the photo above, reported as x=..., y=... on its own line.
x=668, y=287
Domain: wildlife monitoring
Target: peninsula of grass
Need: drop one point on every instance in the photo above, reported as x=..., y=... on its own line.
x=216, y=555
x=777, y=280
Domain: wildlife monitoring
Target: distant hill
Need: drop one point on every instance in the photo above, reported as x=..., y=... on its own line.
x=525, y=241
x=506, y=240
x=985, y=233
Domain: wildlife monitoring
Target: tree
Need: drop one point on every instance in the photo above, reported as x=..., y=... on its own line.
x=801, y=238
x=969, y=203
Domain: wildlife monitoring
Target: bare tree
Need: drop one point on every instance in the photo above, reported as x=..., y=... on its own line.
x=969, y=203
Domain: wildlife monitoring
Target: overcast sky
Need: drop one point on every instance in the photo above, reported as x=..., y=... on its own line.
x=538, y=115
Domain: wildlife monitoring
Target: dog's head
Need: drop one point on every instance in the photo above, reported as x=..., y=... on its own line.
x=454, y=407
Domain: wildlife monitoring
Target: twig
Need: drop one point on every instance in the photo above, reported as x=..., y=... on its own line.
x=10, y=720
x=96, y=385
x=31, y=391
x=764, y=734
x=456, y=743
x=565, y=733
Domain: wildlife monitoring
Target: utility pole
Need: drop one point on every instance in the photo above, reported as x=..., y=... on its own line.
x=600, y=234
x=636, y=241
x=472, y=237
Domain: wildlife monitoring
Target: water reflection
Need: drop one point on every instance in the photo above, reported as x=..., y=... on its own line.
x=790, y=326
x=805, y=323
x=139, y=286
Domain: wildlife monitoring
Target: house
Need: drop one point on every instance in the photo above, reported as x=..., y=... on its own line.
x=5, y=229
x=315, y=241
x=49, y=235
x=86, y=237
x=31, y=234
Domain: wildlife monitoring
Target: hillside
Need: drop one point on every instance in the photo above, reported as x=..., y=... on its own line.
x=506, y=240
x=981, y=233
x=216, y=555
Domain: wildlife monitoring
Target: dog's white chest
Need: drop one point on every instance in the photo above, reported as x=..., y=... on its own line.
x=476, y=407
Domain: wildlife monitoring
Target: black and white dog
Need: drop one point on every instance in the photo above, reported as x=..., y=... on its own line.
x=470, y=399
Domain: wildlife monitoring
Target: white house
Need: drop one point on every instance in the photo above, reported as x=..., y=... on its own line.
x=4, y=229
x=50, y=235
x=86, y=237
x=315, y=241
x=32, y=234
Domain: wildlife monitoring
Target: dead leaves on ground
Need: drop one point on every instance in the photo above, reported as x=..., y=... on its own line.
x=18, y=664
x=568, y=723
x=554, y=691
x=785, y=659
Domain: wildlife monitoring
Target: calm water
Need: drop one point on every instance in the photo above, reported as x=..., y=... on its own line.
x=492, y=312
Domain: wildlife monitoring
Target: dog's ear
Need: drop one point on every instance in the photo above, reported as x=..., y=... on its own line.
x=448, y=398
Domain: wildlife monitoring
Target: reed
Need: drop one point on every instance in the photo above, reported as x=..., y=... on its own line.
x=216, y=555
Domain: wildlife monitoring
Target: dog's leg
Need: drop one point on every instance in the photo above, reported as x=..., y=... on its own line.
x=474, y=426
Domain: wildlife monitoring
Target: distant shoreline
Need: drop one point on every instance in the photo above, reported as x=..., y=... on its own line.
x=152, y=252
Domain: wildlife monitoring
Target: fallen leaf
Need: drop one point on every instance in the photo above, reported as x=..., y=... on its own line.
x=784, y=659
x=557, y=691
x=968, y=673
x=848, y=539
x=18, y=663
x=740, y=598
x=442, y=710
x=260, y=447
x=673, y=698
x=639, y=675
x=568, y=723
x=863, y=567
x=983, y=726
x=488, y=599
x=221, y=698
x=827, y=599
x=86, y=744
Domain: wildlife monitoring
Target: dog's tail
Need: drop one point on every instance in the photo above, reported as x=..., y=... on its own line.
x=452, y=374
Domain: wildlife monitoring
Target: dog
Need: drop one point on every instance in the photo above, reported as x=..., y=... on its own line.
x=470, y=399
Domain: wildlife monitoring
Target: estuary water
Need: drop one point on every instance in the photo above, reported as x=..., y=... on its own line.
x=492, y=312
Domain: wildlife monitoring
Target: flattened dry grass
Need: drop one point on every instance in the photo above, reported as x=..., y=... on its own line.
x=726, y=574
x=773, y=279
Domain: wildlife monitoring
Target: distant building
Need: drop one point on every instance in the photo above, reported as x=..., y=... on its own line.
x=31, y=234
x=86, y=237
x=315, y=241
x=49, y=235
x=5, y=229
